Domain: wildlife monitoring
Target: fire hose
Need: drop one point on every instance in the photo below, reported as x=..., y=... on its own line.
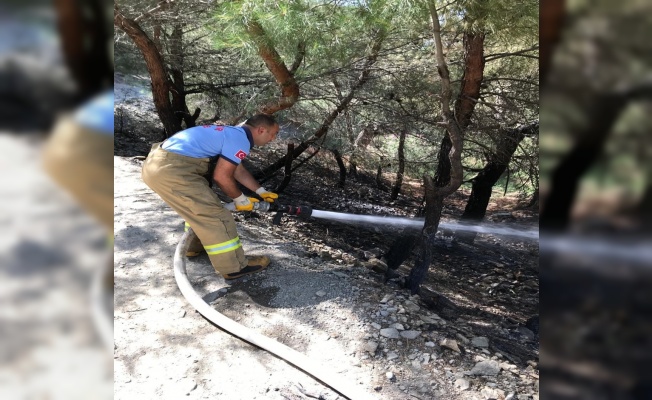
x=336, y=382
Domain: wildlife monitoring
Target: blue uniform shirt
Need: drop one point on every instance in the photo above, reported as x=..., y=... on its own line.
x=232, y=143
x=97, y=114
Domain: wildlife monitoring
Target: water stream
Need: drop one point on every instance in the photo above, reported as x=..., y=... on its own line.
x=417, y=223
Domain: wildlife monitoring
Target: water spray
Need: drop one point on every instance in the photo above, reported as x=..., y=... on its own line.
x=305, y=212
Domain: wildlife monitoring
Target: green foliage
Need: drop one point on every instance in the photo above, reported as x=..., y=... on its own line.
x=403, y=90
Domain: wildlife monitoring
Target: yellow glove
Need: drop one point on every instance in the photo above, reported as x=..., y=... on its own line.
x=266, y=195
x=244, y=203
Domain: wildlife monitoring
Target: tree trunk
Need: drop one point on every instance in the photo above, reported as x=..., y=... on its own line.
x=553, y=13
x=288, y=171
x=323, y=129
x=178, y=84
x=557, y=207
x=483, y=183
x=274, y=62
x=471, y=78
x=435, y=195
x=342, y=167
x=467, y=98
x=434, y=206
x=84, y=43
x=379, y=176
x=353, y=168
x=155, y=67
x=401, y=166
x=360, y=144
x=644, y=206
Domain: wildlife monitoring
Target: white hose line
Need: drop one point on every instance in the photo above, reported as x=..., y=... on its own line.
x=99, y=294
x=336, y=382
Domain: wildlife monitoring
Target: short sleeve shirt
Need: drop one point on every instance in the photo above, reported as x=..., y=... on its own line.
x=97, y=114
x=232, y=143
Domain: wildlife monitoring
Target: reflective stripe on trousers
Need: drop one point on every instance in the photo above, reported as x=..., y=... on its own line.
x=223, y=247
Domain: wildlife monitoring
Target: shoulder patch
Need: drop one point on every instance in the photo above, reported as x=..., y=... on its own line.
x=241, y=155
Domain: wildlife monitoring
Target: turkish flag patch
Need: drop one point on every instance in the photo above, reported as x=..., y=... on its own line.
x=241, y=155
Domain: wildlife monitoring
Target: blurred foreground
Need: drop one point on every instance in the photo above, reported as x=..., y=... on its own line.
x=595, y=246
x=56, y=305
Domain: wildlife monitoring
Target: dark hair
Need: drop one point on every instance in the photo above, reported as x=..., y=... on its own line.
x=261, y=120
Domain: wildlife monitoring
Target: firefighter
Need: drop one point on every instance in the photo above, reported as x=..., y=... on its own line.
x=175, y=170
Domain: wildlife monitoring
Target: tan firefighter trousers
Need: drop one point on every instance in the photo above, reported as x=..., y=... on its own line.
x=81, y=161
x=180, y=182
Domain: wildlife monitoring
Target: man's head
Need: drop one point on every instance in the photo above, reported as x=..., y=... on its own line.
x=263, y=128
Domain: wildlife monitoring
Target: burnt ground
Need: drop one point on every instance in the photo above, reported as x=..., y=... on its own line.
x=494, y=281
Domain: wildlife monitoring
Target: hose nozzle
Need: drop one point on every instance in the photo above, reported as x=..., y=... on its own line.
x=299, y=211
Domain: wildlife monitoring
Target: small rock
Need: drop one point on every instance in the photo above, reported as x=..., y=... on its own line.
x=486, y=368
x=410, y=334
x=462, y=384
x=377, y=265
x=387, y=298
x=371, y=347
x=321, y=293
x=529, y=335
x=410, y=306
x=490, y=393
x=398, y=327
x=462, y=338
x=390, y=333
x=391, y=356
x=450, y=344
x=416, y=364
x=480, y=341
x=430, y=344
x=375, y=325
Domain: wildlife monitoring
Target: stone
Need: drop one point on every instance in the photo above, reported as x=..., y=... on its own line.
x=486, y=368
x=528, y=334
x=391, y=356
x=462, y=384
x=462, y=338
x=387, y=298
x=398, y=327
x=377, y=265
x=321, y=293
x=410, y=306
x=375, y=325
x=491, y=393
x=480, y=341
x=390, y=333
x=410, y=334
x=371, y=347
x=390, y=376
x=430, y=344
x=450, y=344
